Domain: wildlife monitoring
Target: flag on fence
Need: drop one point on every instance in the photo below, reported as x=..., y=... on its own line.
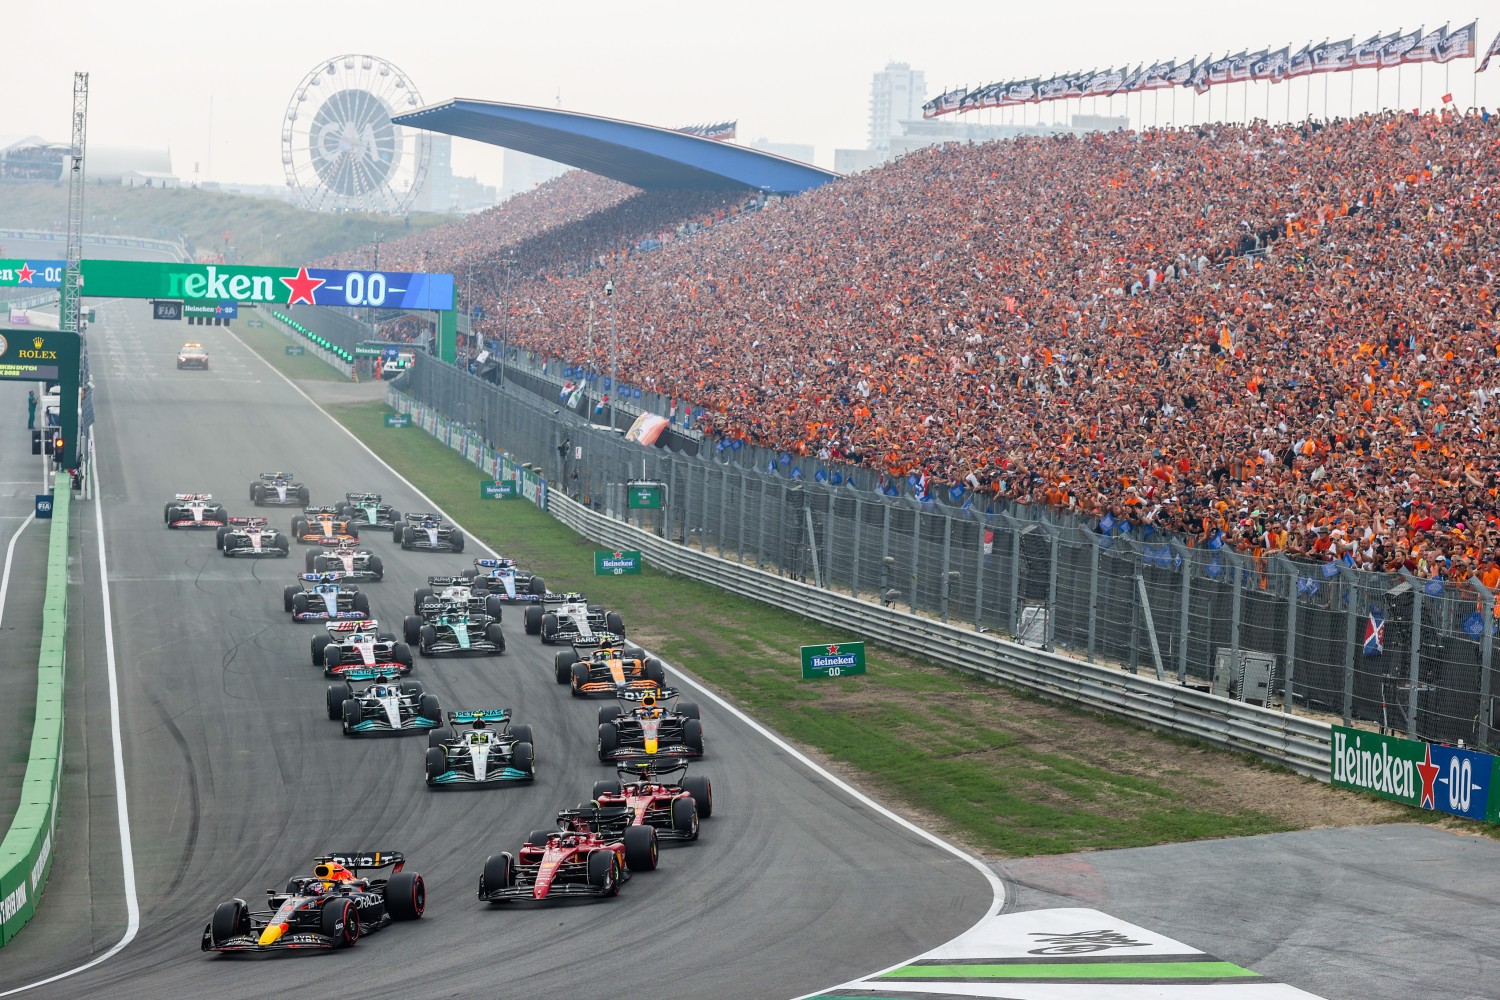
x=599, y=406
x=1474, y=625
x=989, y=542
x=567, y=389
x=1375, y=632
x=1307, y=586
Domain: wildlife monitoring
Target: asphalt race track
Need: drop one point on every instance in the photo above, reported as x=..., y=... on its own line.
x=236, y=778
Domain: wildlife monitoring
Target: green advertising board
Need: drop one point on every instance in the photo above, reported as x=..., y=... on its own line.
x=295, y=349
x=44, y=356
x=1422, y=775
x=398, y=419
x=644, y=496
x=834, y=659
x=497, y=489
x=617, y=563
x=256, y=324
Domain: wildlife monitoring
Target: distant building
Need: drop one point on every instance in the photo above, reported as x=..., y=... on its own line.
x=522, y=172
x=437, y=193
x=34, y=159
x=854, y=161
x=800, y=152
x=468, y=195
x=897, y=94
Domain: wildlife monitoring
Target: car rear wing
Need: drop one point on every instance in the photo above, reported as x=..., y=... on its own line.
x=601, y=819
x=192, y=496
x=320, y=511
x=642, y=768
x=600, y=640
x=661, y=694
x=494, y=564
x=447, y=581
x=468, y=716
x=368, y=625
x=357, y=860
x=273, y=477
x=321, y=577
x=414, y=517
x=251, y=522
x=367, y=674
x=362, y=498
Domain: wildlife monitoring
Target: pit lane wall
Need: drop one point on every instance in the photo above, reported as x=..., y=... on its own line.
x=26, y=851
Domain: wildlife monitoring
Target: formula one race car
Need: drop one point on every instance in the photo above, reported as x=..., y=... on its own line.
x=502, y=578
x=364, y=510
x=360, y=646
x=279, y=489
x=331, y=908
x=328, y=599
x=253, y=537
x=194, y=510
x=480, y=755
x=382, y=706
x=591, y=855
x=323, y=526
x=651, y=722
x=443, y=590
x=453, y=628
x=608, y=668
x=429, y=533
x=355, y=564
x=672, y=805
x=573, y=621
x=192, y=356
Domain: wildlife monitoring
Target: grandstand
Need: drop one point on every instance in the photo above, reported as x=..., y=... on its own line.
x=1280, y=339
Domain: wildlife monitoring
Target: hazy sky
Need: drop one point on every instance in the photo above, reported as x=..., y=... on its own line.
x=788, y=71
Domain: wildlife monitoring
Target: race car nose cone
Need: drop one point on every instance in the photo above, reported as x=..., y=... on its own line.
x=272, y=933
x=651, y=744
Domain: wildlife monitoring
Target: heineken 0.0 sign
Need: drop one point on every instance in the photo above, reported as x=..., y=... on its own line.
x=835, y=659
x=497, y=489
x=643, y=496
x=398, y=419
x=617, y=563
x=294, y=350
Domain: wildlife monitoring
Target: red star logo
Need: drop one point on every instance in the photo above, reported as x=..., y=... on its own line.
x=302, y=288
x=25, y=274
x=1429, y=772
x=619, y=555
x=833, y=650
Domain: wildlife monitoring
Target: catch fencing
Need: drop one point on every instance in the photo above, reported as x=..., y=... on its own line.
x=1406, y=655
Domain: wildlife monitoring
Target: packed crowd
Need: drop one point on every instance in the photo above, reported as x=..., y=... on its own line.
x=1278, y=337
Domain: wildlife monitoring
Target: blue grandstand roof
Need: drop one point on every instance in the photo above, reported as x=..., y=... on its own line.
x=644, y=156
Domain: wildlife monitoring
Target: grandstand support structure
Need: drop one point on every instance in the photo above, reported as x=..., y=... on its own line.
x=72, y=275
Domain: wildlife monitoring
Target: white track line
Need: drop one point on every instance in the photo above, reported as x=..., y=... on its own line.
x=10, y=551
x=127, y=852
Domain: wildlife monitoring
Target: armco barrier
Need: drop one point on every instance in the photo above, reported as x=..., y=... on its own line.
x=1296, y=742
x=26, y=853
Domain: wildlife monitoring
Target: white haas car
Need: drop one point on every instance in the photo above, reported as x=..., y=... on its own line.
x=253, y=537
x=194, y=510
x=354, y=564
x=360, y=646
x=575, y=621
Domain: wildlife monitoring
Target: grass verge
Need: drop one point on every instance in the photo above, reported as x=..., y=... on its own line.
x=270, y=343
x=1007, y=774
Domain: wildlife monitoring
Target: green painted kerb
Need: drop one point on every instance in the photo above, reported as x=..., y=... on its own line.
x=1112, y=970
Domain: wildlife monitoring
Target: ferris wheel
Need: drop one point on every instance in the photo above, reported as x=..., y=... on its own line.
x=339, y=148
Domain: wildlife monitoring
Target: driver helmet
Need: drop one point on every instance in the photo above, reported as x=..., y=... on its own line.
x=313, y=888
x=479, y=723
x=381, y=691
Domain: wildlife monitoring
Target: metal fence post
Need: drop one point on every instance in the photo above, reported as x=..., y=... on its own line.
x=1184, y=623
x=1416, y=660
x=703, y=514
x=854, y=563
x=916, y=559
x=1286, y=566
x=744, y=502
x=1486, y=648
x=1093, y=542
x=984, y=558
x=1237, y=571
x=1015, y=577
x=1352, y=622
x=828, y=539
x=1051, y=617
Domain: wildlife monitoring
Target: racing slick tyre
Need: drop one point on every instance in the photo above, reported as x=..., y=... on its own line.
x=388, y=637
x=377, y=568
x=549, y=627
x=602, y=870
x=304, y=497
x=354, y=714
x=493, y=634
x=614, y=623
x=299, y=527
x=411, y=628
x=640, y=848
x=418, y=596
x=538, y=586
x=689, y=709
x=166, y=514
x=427, y=707
x=456, y=540
x=580, y=677
x=523, y=758
x=346, y=512
x=229, y=546
x=319, y=643
x=219, y=536
x=702, y=791
x=336, y=695
x=494, y=607
x=603, y=788
x=685, y=818
x=398, y=535
x=231, y=919
x=539, y=837
x=428, y=638
x=609, y=741
x=313, y=561
x=497, y=868
x=414, y=689
x=654, y=671
x=396, y=516
x=562, y=665
x=288, y=595
x=532, y=619
x=406, y=896
x=332, y=656
x=401, y=653
x=257, y=494
x=522, y=733
x=283, y=546
x=299, y=603
x=692, y=735
x=341, y=922
x=362, y=604
x=634, y=653
x=608, y=713
x=439, y=736
x=437, y=763
x=218, y=513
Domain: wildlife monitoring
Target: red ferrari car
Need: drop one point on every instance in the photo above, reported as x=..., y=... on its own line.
x=591, y=854
x=658, y=793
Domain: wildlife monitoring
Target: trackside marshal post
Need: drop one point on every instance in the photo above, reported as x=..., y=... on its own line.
x=834, y=659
